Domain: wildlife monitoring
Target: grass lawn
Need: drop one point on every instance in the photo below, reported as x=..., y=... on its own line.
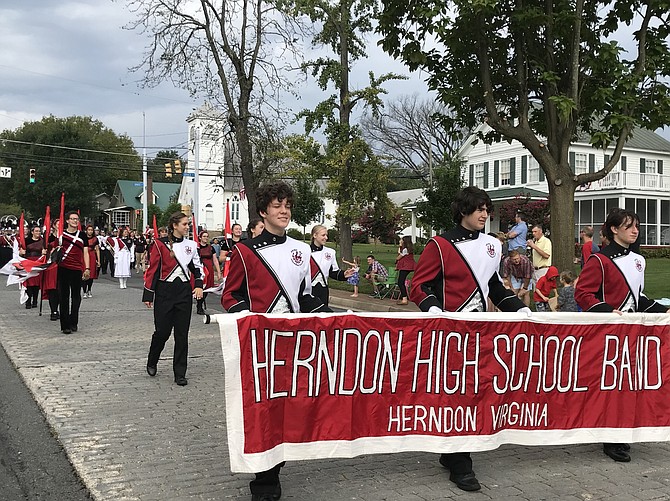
x=657, y=277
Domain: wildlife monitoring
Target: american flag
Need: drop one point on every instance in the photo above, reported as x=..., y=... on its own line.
x=243, y=193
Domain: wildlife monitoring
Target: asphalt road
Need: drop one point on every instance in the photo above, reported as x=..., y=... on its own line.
x=33, y=465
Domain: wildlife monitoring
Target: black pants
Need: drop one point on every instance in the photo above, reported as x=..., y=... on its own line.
x=402, y=276
x=106, y=259
x=172, y=310
x=69, y=286
x=457, y=462
x=33, y=292
x=87, y=284
x=54, y=300
x=266, y=482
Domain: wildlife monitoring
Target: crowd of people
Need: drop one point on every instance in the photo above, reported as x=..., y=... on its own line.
x=461, y=270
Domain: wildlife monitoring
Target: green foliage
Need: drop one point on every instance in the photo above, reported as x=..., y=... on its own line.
x=436, y=210
x=541, y=73
x=297, y=234
x=382, y=221
x=75, y=155
x=157, y=170
x=169, y=210
x=308, y=202
x=13, y=209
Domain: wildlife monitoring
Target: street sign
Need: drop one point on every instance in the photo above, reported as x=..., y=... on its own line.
x=5, y=172
x=189, y=174
x=138, y=184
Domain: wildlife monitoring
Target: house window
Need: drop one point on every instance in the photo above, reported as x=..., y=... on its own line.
x=665, y=222
x=650, y=167
x=533, y=170
x=581, y=163
x=121, y=218
x=235, y=209
x=505, y=172
x=479, y=175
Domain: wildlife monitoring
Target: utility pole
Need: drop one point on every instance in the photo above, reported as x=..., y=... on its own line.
x=145, y=181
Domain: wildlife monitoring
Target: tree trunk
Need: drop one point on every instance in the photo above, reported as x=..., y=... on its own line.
x=247, y=166
x=346, y=245
x=561, y=202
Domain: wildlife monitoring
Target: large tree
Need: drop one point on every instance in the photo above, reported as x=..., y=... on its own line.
x=540, y=72
x=350, y=163
x=226, y=52
x=75, y=155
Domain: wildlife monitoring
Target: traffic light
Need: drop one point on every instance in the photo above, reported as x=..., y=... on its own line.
x=177, y=166
x=168, y=169
x=32, y=176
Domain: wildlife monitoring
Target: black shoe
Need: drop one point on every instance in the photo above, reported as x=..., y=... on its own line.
x=181, y=380
x=465, y=481
x=34, y=304
x=617, y=452
x=200, y=311
x=53, y=316
x=28, y=305
x=74, y=328
x=267, y=496
x=151, y=370
x=67, y=331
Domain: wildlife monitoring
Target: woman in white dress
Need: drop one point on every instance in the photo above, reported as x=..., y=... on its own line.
x=122, y=246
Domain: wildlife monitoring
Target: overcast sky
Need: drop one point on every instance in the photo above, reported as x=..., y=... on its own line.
x=72, y=58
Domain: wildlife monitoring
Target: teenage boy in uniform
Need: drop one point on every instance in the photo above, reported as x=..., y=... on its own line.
x=458, y=271
x=270, y=274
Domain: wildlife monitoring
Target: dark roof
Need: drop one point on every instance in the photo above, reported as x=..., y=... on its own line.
x=641, y=139
x=131, y=192
x=514, y=191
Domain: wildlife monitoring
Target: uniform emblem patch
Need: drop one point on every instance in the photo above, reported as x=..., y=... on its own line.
x=188, y=250
x=296, y=257
x=490, y=250
x=638, y=265
x=329, y=257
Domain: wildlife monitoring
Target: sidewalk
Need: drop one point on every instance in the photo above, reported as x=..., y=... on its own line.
x=132, y=437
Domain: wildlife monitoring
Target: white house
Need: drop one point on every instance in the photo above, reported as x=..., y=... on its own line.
x=636, y=183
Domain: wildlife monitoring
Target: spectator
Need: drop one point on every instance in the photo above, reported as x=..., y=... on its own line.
x=588, y=245
x=255, y=227
x=377, y=274
x=541, y=249
x=517, y=275
x=517, y=235
x=566, y=294
x=404, y=264
x=354, y=279
x=543, y=289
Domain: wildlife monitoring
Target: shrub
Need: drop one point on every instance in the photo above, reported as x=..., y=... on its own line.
x=293, y=233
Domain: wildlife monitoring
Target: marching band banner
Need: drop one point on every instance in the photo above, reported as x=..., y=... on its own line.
x=340, y=385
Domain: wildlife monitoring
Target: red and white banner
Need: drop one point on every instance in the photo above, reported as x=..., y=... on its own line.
x=340, y=385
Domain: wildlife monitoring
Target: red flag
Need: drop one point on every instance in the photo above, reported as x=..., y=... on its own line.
x=79, y=223
x=155, y=227
x=61, y=220
x=229, y=234
x=228, y=227
x=47, y=225
x=22, y=232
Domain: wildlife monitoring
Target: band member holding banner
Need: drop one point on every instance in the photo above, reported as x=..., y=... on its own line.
x=270, y=274
x=50, y=276
x=457, y=271
x=73, y=267
x=167, y=287
x=210, y=265
x=613, y=281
